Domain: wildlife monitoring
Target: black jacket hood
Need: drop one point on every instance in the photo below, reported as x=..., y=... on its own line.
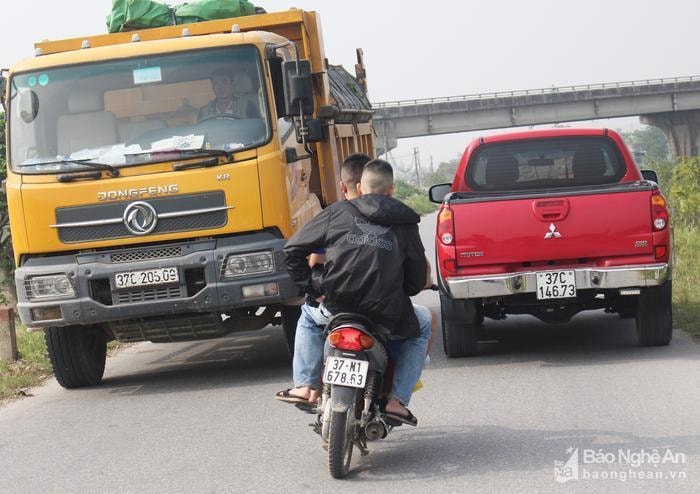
x=385, y=210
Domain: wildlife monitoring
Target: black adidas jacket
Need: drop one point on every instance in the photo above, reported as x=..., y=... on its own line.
x=375, y=260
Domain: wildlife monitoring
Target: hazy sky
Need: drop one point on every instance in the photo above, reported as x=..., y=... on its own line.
x=430, y=49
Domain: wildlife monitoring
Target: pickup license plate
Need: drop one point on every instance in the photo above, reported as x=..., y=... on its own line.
x=556, y=284
x=146, y=277
x=345, y=372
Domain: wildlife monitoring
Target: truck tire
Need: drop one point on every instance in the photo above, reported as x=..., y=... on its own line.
x=290, y=318
x=654, y=315
x=460, y=319
x=78, y=355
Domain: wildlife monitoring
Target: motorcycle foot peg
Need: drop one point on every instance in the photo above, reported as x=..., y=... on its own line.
x=375, y=429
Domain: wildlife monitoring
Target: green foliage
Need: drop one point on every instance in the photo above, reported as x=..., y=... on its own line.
x=650, y=141
x=413, y=197
x=685, y=191
x=403, y=190
x=7, y=265
x=444, y=174
x=32, y=367
x=420, y=203
x=686, y=280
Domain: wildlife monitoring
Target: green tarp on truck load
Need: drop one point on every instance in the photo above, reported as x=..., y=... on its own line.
x=128, y=15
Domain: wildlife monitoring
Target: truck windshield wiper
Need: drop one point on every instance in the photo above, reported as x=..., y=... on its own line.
x=113, y=171
x=206, y=163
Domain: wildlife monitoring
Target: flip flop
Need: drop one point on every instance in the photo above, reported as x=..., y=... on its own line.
x=409, y=419
x=287, y=397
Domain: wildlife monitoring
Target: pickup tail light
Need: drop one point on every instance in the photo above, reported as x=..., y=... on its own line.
x=659, y=251
x=346, y=338
x=659, y=211
x=446, y=226
x=446, y=238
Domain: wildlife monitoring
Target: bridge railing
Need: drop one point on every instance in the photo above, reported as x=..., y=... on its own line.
x=529, y=92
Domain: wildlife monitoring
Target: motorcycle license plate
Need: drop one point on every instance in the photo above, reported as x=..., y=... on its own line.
x=556, y=284
x=345, y=372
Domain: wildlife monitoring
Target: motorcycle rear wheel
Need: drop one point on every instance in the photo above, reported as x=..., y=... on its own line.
x=340, y=442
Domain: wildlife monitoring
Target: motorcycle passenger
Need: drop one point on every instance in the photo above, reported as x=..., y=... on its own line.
x=374, y=262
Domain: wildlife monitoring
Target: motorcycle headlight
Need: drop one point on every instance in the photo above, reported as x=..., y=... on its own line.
x=49, y=287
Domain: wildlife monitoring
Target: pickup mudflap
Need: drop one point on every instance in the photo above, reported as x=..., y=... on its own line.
x=499, y=285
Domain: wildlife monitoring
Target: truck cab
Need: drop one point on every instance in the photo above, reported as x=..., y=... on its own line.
x=154, y=175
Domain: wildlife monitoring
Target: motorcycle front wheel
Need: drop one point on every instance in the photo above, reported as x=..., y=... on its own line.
x=340, y=442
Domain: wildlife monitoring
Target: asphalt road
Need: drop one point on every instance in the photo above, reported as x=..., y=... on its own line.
x=200, y=417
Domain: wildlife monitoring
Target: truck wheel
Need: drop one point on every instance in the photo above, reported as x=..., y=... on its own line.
x=290, y=317
x=459, y=321
x=654, y=316
x=77, y=354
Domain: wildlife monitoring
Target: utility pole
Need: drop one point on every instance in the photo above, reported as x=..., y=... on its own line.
x=416, y=162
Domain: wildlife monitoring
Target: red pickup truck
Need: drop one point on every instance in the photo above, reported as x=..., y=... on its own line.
x=550, y=223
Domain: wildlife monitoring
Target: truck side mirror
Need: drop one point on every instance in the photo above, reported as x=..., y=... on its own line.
x=650, y=175
x=438, y=192
x=298, y=92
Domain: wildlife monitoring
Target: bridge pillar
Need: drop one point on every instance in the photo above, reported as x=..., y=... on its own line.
x=681, y=128
x=386, y=139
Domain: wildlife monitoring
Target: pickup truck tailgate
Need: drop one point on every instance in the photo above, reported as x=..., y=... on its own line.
x=517, y=229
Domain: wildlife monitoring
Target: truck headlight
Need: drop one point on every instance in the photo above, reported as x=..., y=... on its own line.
x=251, y=263
x=49, y=287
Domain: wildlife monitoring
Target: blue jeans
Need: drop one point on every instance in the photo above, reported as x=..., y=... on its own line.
x=408, y=354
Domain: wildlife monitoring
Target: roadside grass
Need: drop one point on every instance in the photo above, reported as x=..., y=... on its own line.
x=686, y=280
x=33, y=366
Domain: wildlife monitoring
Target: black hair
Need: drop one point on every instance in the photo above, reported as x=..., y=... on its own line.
x=382, y=176
x=353, y=166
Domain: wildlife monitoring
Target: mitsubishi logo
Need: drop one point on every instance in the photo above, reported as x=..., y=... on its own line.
x=140, y=218
x=552, y=233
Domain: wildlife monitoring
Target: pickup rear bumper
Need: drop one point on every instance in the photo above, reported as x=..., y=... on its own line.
x=499, y=285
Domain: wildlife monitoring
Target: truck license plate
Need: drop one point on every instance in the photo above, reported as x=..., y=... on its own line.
x=556, y=284
x=345, y=372
x=157, y=276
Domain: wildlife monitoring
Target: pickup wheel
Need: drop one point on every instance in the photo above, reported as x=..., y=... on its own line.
x=460, y=319
x=78, y=354
x=290, y=318
x=654, y=315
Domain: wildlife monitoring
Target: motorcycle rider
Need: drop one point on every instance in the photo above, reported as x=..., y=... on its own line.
x=374, y=262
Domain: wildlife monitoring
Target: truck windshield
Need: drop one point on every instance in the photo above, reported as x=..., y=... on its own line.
x=545, y=164
x=138, y=110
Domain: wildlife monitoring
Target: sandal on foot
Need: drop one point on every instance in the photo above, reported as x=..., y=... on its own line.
x=409, y=419
x=287, y=397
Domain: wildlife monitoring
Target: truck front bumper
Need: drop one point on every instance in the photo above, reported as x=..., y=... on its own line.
x=202, y=286
x=500, y=285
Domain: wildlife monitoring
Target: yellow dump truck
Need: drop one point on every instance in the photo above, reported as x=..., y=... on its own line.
x=146, y=203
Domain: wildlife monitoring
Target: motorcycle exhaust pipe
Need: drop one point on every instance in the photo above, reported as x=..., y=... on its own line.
x=376, y=429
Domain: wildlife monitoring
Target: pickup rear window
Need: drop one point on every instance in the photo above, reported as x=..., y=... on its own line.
x=545, y=164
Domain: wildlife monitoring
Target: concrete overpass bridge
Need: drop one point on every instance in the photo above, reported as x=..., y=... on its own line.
x=673, y=105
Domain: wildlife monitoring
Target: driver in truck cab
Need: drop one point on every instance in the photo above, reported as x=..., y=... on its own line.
x=234, y=96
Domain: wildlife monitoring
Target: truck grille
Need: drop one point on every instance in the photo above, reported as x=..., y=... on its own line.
x=147, y=295
x=103, y=221
x=143, y=255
